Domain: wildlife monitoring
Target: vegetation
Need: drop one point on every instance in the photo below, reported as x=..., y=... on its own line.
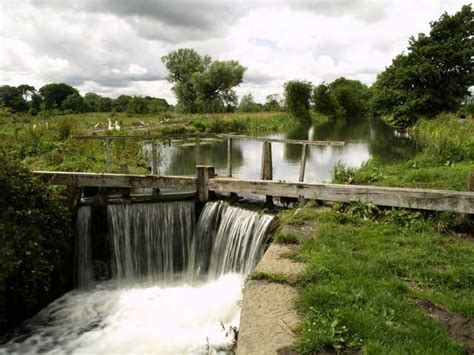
x=446, y=156
x=363, y=297
x=343, y=98
x=297, y=99
x=203, y=85
x=36, y=245
x=433, y=76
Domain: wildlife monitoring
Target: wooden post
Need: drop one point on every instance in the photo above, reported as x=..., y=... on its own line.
x=154, y=158
x=470, y=181
x=107, y=155
x=204, y=173
x=304, y=150
x=169, y=142
x=197, y=151
x=125, y=190
x=266, y=171
x=229, y=157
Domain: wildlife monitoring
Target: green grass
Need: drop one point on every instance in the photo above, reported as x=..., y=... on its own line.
x=356, y=292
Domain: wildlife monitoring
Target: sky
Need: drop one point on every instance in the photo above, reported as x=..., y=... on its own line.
x=114, y=47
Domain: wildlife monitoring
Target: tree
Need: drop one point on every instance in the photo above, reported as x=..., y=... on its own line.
x=272, y=103
x=93, y=101
x=433, y=76
x=120, y=104
x=75, y=103
x=137, y=104
x=54, y=94
x=26, y=91
x=247, y=104
x=326, y=103
x=351, y=95
x=201, y=85
x=297, y=99
x=12, y=97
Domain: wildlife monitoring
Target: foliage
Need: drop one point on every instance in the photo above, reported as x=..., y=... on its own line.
x=12, y=97
x=36, y=243
x=273, y=102
x=363, y=270
x=297, y=99
x=74, y=103
x=200, y=84
x=325, y=102
x=248, y=104
x=433, y=76
x=54, y=95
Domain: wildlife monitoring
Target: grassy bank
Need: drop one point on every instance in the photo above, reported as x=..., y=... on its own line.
x=44, y=142
x=370, y=272
x=446, y=156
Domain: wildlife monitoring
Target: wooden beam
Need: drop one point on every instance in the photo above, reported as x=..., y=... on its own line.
x=204, y=174
x=154, y=157
x=107, y=156
x=276, y=140
x=266, y=170
x=116, y=180
x=197, y=150
x=470, y=181
x=437, y=200
x=304, y=150
x=229, y=157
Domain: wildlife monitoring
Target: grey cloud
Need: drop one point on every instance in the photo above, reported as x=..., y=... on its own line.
x=258, y=78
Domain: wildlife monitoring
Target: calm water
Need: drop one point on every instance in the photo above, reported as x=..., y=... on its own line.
x=364, y=140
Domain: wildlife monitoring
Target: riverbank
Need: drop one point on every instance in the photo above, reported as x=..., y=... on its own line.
x=381, y=281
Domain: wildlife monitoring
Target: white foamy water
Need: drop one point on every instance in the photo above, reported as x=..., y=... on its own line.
x=179, y=319
x=176, y=286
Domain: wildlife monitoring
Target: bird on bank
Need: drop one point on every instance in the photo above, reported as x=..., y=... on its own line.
x=117, y=127
x=110, y=127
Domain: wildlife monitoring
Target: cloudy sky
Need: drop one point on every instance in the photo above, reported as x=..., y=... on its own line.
x=114, y=47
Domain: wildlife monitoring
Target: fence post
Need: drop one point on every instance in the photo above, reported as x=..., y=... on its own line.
x=204, y=173
x=304, y=150
x=266, y=172
x=470, y=181
x=197, y=151
x=154, y=158
x=107, y=155
x=229, y=157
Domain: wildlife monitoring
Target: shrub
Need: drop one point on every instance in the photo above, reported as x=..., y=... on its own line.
x=36, y=244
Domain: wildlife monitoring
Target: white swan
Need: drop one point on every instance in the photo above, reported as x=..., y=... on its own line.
x=110, y=127
x=117, y=127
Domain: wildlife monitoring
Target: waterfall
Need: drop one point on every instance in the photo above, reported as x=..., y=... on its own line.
x=83, y=259
x=150, y=240
x=162, y=242
x=227, y=239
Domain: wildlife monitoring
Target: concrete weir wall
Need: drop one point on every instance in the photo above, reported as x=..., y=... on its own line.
x=269, y=318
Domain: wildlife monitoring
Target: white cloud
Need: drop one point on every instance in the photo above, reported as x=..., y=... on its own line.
x=114, y=47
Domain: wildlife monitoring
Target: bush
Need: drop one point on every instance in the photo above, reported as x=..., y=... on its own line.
x=36, y=244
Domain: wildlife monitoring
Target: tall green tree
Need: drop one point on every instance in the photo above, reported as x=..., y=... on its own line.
x=74, y=103
x=434, y=75
x=54, y=94
x=297, y=99
x=325, y=102
x=201, y=85
x=248, y=104
x=12, y=97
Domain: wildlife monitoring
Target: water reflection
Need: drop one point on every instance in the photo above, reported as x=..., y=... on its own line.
x=365, y=139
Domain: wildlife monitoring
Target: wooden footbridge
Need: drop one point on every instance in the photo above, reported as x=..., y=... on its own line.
x=205, y=182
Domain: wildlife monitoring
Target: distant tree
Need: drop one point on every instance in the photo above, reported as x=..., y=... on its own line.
x=11, y=96
x=35, y=103
x=74, y=103
x=93, y=101
x=247, y=104
x=137, y=104
x=53, y=95
x=105, y=104
x=326, y=103
x=26, y=91
x=120, y=104
x=433, y=76
x=352, y=96
x=200, y=84
x=297, y=99
x=156, y=105
x=272, y=103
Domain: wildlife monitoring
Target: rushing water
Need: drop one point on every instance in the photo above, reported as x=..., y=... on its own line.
x=364, y=139
x=176, y=285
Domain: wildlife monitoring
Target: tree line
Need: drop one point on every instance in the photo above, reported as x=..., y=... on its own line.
x=435, y=74
x=65, y=98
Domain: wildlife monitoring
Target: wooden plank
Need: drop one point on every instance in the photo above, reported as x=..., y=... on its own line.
x=304, y=150
x=204, y=173
x=154, y=158
x=266, y=172
x=211, y=135
x=276, y=140
x=229, y=157
x=197, y=150
x=107, y=155
x=470, y=181
x=116, y=180
x=437, y=200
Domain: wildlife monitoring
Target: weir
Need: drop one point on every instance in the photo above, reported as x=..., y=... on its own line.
x=174, y=285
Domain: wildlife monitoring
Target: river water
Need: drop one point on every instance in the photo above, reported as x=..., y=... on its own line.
x=364, y=139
